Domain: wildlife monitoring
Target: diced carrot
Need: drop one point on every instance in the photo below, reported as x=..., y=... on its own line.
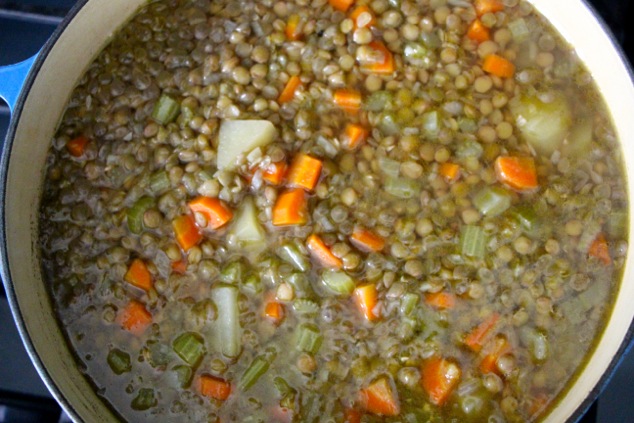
x=135, y=318
x=352, y=415
x=449, y=171
x=483, y=7
x=478, y=32
x=186, y=231
x=320, y=251
x=600, y=249
x=500, y=346
x=439, y=377
x=274, y=173
x=381, y=398
x=341, y=5
x=478, y=335
x=366, y=240
x=214, y=387
x=366, y=297
x=274, y=311
x=441, y=300
x=516, y=172
x=498, y=66
x=291, y=208
x=362, y=16
x=353, y=136
x=292, y=30
x=139, y=275
x=385, y=64
x=180, y=266
x=215, y=211
x=304, y=172
x=288, y=93
x=348, y=100
x=77, y=146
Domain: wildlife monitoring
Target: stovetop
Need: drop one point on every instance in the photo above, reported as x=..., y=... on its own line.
x=24, y=27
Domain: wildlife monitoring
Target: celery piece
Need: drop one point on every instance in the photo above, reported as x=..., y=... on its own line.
x=228, y=321
x=519, y=30
x=389, y=167
x=431, y=124
x=472, y=241
x=305, y=306
x=291, y=254
x=144, y=400
x=119, y=361
x=159, y=182
x=135, y=214
x=492, y=201
x=256, y=369
x=378, y=101
x=190, y=347
x=253, y=284
x=183, y=375
x=338, y=282
x=232, y=272
x=309, y=338
x=388, y=124
x=408, y=303
x=526, y=217
x=165, y=110
x=402, y=187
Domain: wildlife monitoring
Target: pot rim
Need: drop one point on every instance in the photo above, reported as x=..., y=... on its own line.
x=625, y=345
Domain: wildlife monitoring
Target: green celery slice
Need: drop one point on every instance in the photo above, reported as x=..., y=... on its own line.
x=136, y=212
x=228, y=321
x=144, y=400
x=309, y=338
x=492, y=201
x=338, y=282
x=119, y=361
x=190, y=347
x=256, y=369
x=473, y=241
x=166, y=109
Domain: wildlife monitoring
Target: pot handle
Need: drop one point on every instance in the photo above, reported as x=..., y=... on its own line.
x=12, y=79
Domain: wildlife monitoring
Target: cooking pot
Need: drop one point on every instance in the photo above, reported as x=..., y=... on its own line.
x=37, y=91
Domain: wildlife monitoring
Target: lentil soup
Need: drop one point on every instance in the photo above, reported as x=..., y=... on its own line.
x=343, y=210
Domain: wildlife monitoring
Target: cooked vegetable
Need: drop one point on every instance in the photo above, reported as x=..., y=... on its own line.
x=366, y=297
x=291, y=208
x=366, y=240
x=478, y=32
x=483, y=7
x=304, y=172
x=166, y=110
x=291, y=253
x=492, y=201
x=478, y=336
x=362, y=16
x=439, y=377
x=309, y=338
x=227, y=323
x=246, y=226
x=380, y=60
x=349, y=100
x=275, y=173
x=600, y=250
x=119, y=361
x=214, y=387
x=441, y=300
x=288, y=93
x=144, y=400
x=274, y=311
x=135, y=318
x=498, y=66
x=450, y=171
x=238, y=138
x=489, y=362
x=190, y=347
x=338, y=282
x=543, y=120
x=134, y=216
x=258, y=367
x=353, y=136
x=186, y=232
x=517, y=172
x=139, y=275
x=293, y=33
x=341, y=5
x=473, y=241
x=380, y=398
x=320, y=251
x=215, y=211
x=77, y=146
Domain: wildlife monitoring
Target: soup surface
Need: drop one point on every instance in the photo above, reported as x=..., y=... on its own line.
x=386, y=210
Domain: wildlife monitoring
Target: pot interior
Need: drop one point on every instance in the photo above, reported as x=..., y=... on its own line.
x=62, y=64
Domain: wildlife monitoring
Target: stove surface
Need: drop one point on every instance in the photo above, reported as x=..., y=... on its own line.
x=24, y=27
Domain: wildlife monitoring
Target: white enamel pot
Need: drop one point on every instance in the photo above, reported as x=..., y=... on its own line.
x=37, y=91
